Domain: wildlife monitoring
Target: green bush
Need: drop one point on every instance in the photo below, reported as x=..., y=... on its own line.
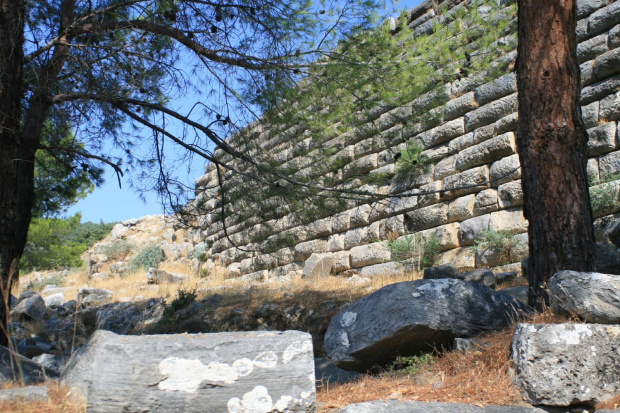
x=149, y=257
x=422, y=251
x=412, y=364
x=503, y=242
x=604, y=194
x=118, y=249
x=184, y=298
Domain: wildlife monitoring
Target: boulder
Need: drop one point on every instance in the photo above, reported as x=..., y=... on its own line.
x=441, y=271
x=318, y=265
x=25, y=394
x=412, y=317
x=92, y=297
x=507, y=277
x=14, y=367
x=566, y=364
x=327, y=373
x=482, y=276
x=612, y=232
x=54, y=362
x=591, y=296
x=607, y=258
x=155, y=276
x=225, y=372
x=518, y=293
x=54, y=300
x=31, y=308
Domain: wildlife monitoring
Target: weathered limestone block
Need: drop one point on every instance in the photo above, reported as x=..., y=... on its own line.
x=225, y=372
x=360, y=215
x=365, y=255
x=592, y=48
x=387, y=269
x=355, y=237
x=341, y=222
x=486, y=152
x=404, y=202
x=304, y=250
x=335, y=243
x=361, y=165
x=500, y=87
x=318, y=265
x=374, y=232
x=431, y=194
x=614, y=37
x=603, y=19
x=461, y=142
x=446, y=167
x=29, y=309
x=233, y=270
x=599, y=90
x=607, y=64
x=91, y=297
x=486, y=201
x=609, y=164
x=505, y=170
x=257, y=276
x=490, y=112
x=442, y=133
x=510, y=194
x=602, y=139
x=587, y=7
x=447, y=235
x=427, y=217
x=320, y=228
x=436, y=153
x=472, y=180
x=591, y=296
x=472, y=228
x=460, y=106
x=394, y=116
x=587, y=74
x=461, y=208
x=582, y=30
x=341, y=261
x=565, y=364
x=483, y=133
x=463, y=258
x=593, y=170
x=590, y=115
x=506, y=124
x=155, y=276
x=409, y=406
x=609, y=107
x=511, y=220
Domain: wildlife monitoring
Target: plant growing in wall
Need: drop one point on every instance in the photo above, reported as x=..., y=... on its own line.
x=502, y=242
x=418, y=250
x=604, y=194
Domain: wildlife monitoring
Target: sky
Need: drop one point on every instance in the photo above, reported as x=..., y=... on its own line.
x=109, y=203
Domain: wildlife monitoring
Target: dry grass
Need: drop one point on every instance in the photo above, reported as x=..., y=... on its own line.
x=478, y=377
x=60, y=401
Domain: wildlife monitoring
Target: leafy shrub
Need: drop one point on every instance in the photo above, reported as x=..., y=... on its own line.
x=422, y=251
x=88, y=233
x=503, y=242
x=412, y=162
x=184, y=298
x=118, y=249
x=49, y=246
x=41, y=283
x=412, y=364
x=200, y=253
x=604, y=194
x=149, y=257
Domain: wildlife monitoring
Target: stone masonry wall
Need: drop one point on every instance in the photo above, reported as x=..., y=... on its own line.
x=473, y=142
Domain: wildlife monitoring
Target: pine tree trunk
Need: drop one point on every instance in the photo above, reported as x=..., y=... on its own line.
x=552, y=143
x=16, y=163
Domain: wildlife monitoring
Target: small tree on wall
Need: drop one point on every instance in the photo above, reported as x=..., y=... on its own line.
x=552, y=143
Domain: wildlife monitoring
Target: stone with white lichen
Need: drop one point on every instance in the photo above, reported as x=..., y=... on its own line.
x=265, y=371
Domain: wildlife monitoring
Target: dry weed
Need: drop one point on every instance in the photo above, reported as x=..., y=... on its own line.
x=61, y=400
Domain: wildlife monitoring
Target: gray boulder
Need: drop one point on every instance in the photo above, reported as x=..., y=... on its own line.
x=25, y=394
x=14, y=367
x=54, y=362
x=31, y=308
x=55, y=300
x=412, y=317
x=91, y=297
x=518, y=293
x=327, y=373
x=441, y=271
x=483, y=276
x=155, y=276
x=507, y=277
x=318, y=265
x=612, y=232
x=592, y=296
x=225, y=372
x=566, y=364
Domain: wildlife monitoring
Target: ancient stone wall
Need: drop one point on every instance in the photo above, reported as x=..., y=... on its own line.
x=471, y=142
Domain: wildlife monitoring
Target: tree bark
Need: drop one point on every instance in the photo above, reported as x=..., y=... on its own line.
x=16, y=164
x=552, y=144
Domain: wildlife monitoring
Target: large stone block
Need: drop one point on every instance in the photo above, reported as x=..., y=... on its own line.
x=472, y=180
x=446, y=167
x=511, y=220
x=486, y=152
x=510, y=194
x=505, y=170
x=355, y=237
x=360, y=215
x=320, y=228
x=602, y=139
x=587, y=7
x=461, y=142
x=609, y=107
x=500, y=87
x=304, y=250
x=565, y=364
x=591, y=296
x=341, y=261
x=365, y=255
x=599, y=90
x=335, y=243
x=590, y=115
x=460, y=106
x=592, y=48
x=473, y=228
x=486, y=201
x=318, y=265
x=410, y=406
x=427, y=217
x=387, y=269
x=447, y=235
x=490, y=112
x=461, y=208
x=604, y=19
x=225, y=372
x=442, y=133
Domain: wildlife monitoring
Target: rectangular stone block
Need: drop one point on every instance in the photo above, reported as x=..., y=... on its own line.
x=341, y=261
x=461, y=142
x=592, y=48
x=614, y=37
x=506, y=124
x=587, y=7
x=460, y=106
x=491, y=112
x=592, y=170
x=486, y=152
x=567, y=364
x=388, y=269
x=461, y=208
x=587, y=73
x=510, y=194
x=607, y=64
x=360, y=215
x=335, y=243
x=609, y=107
x=355, y=237
x=589, y=114
x=602, y=139
x=403, y=203
x=365, y=255
x=473, y=228
x=599, y=90
x=609, y=164
x=472, y=180
x=304, y=250
x=505, y=170
x=446, y=167
x=486, y=201
x=341, y=222
x=442, y=133
x=500, y=87
x=320, y=228
x=427, y=217
x=447, y=235
x=221, y=372
x=511, y=220
x=604, y=19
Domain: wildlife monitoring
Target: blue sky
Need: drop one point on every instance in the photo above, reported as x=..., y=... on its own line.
x=109, y=203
